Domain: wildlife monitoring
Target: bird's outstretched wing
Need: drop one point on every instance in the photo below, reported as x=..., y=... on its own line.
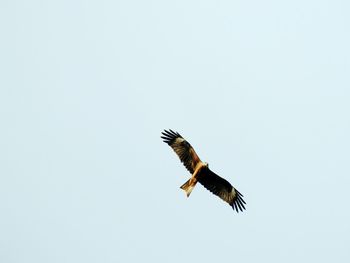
x=182, y=148
x=222, y=188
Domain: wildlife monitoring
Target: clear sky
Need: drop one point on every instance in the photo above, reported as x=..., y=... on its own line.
x=261, y=89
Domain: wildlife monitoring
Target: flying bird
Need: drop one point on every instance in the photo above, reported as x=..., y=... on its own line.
x=201, y=173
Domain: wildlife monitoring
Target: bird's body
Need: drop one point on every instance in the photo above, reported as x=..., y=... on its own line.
x=201, y=173
x=191, y=183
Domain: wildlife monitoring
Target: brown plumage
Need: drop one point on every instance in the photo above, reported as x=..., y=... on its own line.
x=201, y=172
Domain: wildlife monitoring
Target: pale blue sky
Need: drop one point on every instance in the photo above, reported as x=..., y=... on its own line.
x=261, y=89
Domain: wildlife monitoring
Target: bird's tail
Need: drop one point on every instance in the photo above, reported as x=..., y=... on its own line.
x=188, y=186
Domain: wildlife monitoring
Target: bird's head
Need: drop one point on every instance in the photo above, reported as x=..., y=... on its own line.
x=206, y=164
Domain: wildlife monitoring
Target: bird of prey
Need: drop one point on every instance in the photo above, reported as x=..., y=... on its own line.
x=201, y=173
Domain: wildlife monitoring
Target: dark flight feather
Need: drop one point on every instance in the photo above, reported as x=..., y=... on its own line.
x=222, y=188
x=182, y=148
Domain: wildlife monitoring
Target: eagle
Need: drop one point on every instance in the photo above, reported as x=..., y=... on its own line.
x=201, y=173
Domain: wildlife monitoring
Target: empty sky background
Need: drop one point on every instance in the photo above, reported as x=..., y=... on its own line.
x=261, y=89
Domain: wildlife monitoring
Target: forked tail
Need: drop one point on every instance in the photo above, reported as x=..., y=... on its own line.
x=188, y=186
